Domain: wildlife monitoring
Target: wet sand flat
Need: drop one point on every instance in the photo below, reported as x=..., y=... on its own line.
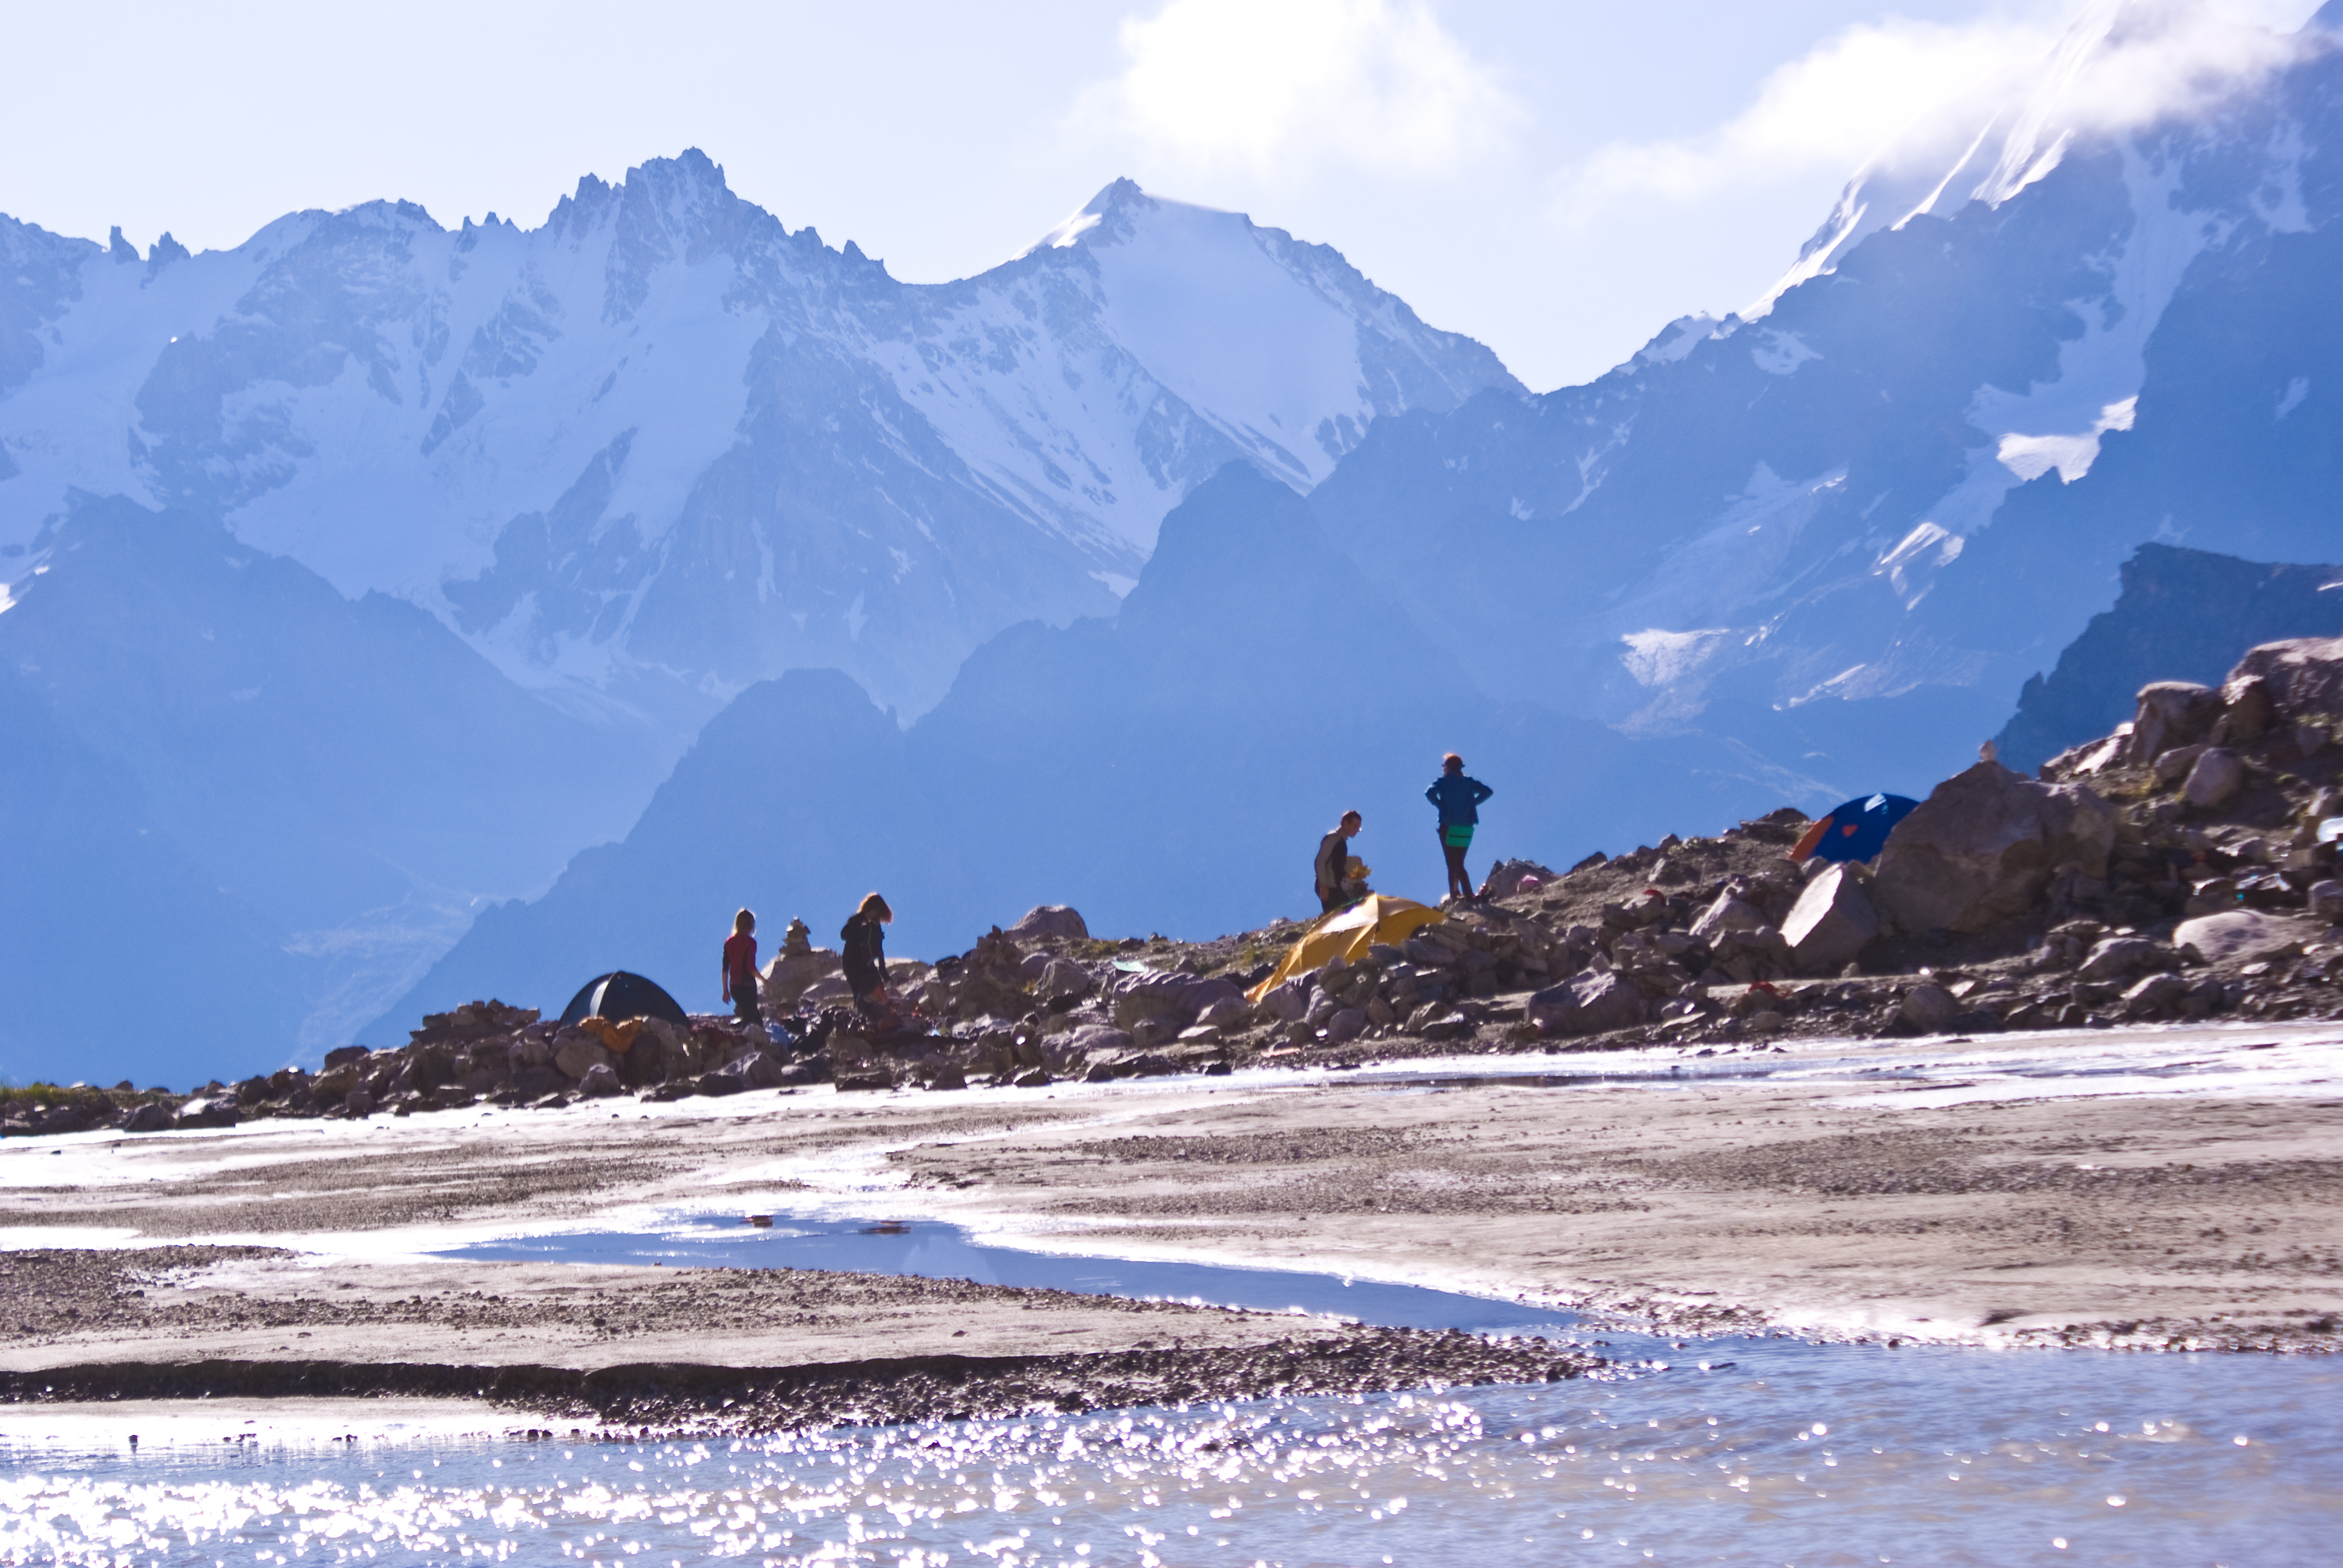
x=2177, y=1188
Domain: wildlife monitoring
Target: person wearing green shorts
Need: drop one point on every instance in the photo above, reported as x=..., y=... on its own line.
x=1458, y=799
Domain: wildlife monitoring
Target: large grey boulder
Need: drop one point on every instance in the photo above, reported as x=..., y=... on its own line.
x=1981, y=848
x=1588, y=1003
x=1049, y=920
x=1728, y=913
x=2216, y=776
x=2116, y=958
x=2304, y=676
x=1174, y=998
x=216, y=1111
x=2249, y=708
x=577, y=1055
x=1289, y=999
x=1062, y=977
x=750, y=1070
x=1093, y=1039
x=2171, y=713
x=1832, y=921
x=2155, y=995
x=1928, y=1007
x=2241, y=934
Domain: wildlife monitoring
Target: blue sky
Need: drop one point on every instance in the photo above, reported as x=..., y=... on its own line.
x=1559, y=179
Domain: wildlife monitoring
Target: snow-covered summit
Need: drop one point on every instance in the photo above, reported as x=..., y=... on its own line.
x=2123, y=68
x=662, y=445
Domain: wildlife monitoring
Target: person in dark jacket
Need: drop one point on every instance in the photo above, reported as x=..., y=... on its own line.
x=862, y=949
x=1330, y=868
x=740, y=968
x=1458, y=799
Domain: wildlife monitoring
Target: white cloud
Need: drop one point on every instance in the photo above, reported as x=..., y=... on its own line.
x=1830, y=109
x=1906, y=94
x=1278, y=87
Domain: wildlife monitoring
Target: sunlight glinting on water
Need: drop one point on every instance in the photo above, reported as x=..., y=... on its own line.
x=1677, y=1468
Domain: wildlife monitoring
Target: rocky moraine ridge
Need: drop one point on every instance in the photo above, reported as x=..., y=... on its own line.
x=2182, y=868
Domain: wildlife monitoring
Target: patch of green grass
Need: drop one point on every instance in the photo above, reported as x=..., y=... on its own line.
x=45, y=1096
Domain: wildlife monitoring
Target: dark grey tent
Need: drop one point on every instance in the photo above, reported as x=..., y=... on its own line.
x=620, y=995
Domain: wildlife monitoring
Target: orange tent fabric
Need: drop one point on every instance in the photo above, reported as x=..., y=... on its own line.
x=1349, y=933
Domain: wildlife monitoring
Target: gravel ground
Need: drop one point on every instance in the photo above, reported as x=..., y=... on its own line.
x=750, y=1350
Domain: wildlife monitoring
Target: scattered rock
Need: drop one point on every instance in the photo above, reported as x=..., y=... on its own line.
x=2241, y=934
x=598, y=1082
x=1832, y=921
x=2118, y=956
x=1061, y=978
x=1588, y=1003
x=2249, y=708
x=577, y=1054
x=2175, y=764
x=2154, y=996
x=2219, y=773
x=1506, y=878
x=1728, y=913
x=216, y=1111
x=2172, y=713
x=1289, y=1000
x=1226, y=1013
x=1095, y=1039
x=1929, y=1008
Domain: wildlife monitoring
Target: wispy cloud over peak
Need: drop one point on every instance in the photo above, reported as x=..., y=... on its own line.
x=1277, y=88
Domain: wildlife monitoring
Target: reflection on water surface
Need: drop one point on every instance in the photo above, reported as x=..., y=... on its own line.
x=1808, y=1456
x=1731, y=1451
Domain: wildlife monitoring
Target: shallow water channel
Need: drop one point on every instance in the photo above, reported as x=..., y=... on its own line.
x=1741, y=1450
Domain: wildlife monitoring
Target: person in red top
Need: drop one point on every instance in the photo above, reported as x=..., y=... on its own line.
x=740, y=969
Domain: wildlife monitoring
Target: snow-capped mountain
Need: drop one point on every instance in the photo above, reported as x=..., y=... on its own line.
x=1846, y=528
x=661, y=446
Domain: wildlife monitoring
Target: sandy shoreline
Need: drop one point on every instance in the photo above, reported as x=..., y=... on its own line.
x=2173, y=1189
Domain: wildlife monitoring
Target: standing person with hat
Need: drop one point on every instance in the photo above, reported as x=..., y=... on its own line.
x=1458, y=799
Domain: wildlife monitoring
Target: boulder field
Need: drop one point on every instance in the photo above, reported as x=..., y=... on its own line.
x=2179, y=869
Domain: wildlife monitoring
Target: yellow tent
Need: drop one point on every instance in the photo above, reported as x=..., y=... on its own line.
x=1349, y=932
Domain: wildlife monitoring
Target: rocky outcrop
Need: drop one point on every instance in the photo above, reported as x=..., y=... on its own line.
x=1053, y=920
x=2172, y=713
x=2303, y=678
x=1983, y=848
x=797, y=969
